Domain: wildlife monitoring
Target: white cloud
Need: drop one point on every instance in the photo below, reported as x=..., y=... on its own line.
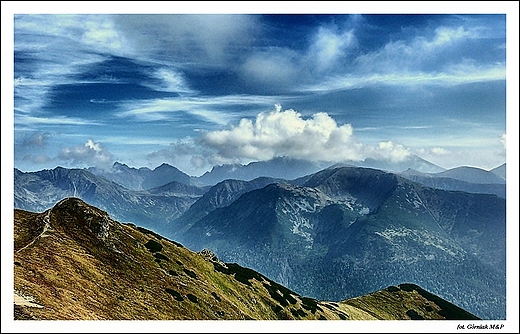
x=88, y=154
x=404, y=63
x=101, y=34
x=35, y=139
x=411, y=56
x=53, y=120
x=172, y=109
x=287, y=133
x=277, y=67
x=503, y=140
x=440, y=151
x=37, y=159
x=213, y=109
x=58, y=54
x=328, y=47
x=447, y=36
x=206, y=40
x=390, y=151
x=171, y=81
x=461, y=74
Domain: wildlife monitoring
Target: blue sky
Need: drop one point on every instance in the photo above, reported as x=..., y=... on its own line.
x=198, y=90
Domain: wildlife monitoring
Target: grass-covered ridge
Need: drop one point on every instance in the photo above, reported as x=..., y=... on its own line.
x=82, y=265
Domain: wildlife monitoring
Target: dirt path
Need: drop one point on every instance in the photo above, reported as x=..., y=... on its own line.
x=46, y=228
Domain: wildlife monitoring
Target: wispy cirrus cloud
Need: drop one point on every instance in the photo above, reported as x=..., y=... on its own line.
x=220, y=110
x=458, y=75
x=29, y=121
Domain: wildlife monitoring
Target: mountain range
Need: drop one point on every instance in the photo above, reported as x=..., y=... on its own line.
x=468, y=179
x=74, y=262
x=334, y=234
x=144, y=178
x=38, y=191
x=360, y=229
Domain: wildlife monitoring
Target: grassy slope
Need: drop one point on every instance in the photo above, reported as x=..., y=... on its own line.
x=79, y=264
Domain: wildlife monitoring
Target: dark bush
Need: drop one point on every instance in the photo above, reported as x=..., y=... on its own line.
x=175, y=294
x=414, y=315
x=310, y=304
x=216, y=296
x=276, y=308
x=190, y=273
x=192, y=298
x=153, y=246
x=161, y=256
x=392, y=288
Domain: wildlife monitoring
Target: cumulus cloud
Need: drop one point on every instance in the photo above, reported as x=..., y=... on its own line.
x=288, y=133
x=390, y=151
x=503, y=140
x=88, y=154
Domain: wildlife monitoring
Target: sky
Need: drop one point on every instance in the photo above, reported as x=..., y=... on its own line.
x=197, y=90
x=272, y=79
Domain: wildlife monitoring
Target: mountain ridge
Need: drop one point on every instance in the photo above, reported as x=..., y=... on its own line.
x=78, y=263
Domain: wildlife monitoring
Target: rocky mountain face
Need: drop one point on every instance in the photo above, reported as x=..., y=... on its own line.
x=156, y=208
x=74, y=262
x=348, y=231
